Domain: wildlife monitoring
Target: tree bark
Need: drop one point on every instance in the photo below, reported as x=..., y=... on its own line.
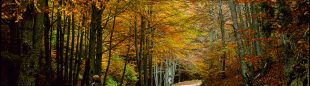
x=62, y=46
x=110, y=47
x=239, y=42
x=137, y=51
x=80, y=53
x=77, y=51
x=223, y=38
x=126, y=59
x=142, y=51
x=257, y=49
x=72, y=49
x=67, y=50
x=58, y=55
x=32, y=42
x=47, y=47
x=99, y=51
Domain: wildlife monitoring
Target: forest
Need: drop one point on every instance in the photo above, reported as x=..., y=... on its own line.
x=154, y=42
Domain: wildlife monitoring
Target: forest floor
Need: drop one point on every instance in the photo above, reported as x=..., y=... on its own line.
x=273, y=77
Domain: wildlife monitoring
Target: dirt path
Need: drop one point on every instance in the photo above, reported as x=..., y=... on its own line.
x=189, y=83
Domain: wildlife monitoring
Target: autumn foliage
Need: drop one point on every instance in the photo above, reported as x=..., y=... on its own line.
x=154, y=42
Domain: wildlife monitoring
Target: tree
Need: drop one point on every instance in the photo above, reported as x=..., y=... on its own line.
x=32, y=42
x=126, y=59
x=67, y=42
x=110, y=43
x=72, y=56
x=232, y=7
x=47, y=47
x=223, y=35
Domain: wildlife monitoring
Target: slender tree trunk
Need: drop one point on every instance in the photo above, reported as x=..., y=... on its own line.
x=77, y=51
x=137, y=51
x=58, y=56
x=150, y=67
x=47, y=47
x=51, y=46
x=1, y=28
x=149, y=54
x=51, y=27
x=150, y=46
x=3, y=78
x=142, y=52
x=62, y=46
x=161, y=71
x=223, y=37
x=247, y=15
x=80, y=54
x=110, y=47
x=86, y=73
x=92, y=39
x=239, y=42
x=247, y=26
x=67, y=51
x=126, y=59
x=152, y=35
x=244, y=33
x=155, y=75
x=72, y=49
x=85, y=54
x=257, y=49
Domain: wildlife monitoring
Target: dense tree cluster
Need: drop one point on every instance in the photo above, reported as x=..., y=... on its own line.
x=154, y=42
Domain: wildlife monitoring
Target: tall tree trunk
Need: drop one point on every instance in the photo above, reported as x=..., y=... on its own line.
x=85, y=79
x=223, y=38
x=67, y=50
x=62, y=44
x=51, y=27
x=32, y=33
x=92, y=44
x=99, y=51
x=155, y=75
x=257, y=49
x=58, y=56
x=150, y=66
x=126, y=60
x=247, y=26
x=150, y=46
x=137, y=51
x=1, y=42
x=77, y=51
x=232, y=7
x=79, y=56
x=85, y=54
x=142, y=51
x=242, y=26
x=47, y=47
x=110, y=46
x=72, y=49
x=26, y=76
x=92, y=39
x=149, y=54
